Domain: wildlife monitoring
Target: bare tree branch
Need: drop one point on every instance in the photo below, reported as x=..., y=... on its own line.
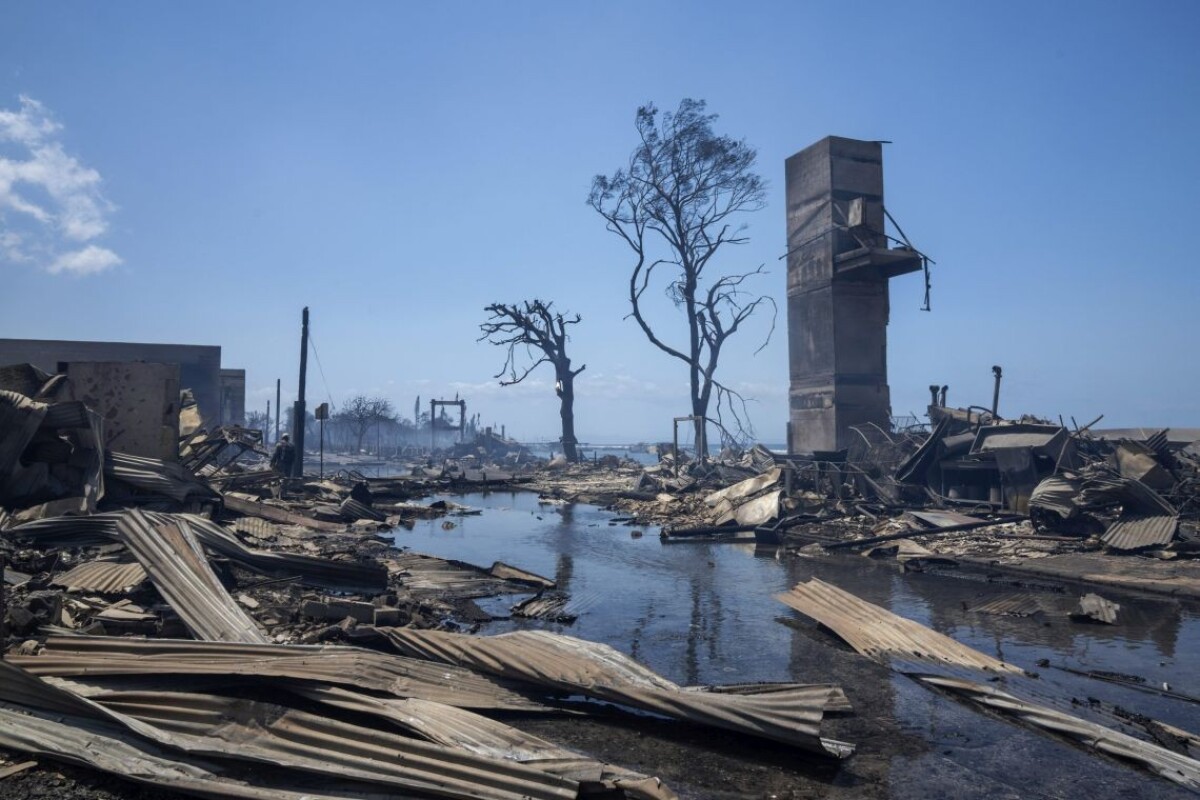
x=675, y=205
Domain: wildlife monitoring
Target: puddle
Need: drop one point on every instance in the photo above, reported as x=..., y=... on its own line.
x=704, y=613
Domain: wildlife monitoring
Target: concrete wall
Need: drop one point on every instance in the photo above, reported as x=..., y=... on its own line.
x=233, y=397
x=199, y=365
x=138, y=401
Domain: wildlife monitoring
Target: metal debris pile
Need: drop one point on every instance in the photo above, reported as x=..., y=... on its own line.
x=974, y=487
x=184, y=623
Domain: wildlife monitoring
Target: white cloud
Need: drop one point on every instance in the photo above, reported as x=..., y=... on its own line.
x=88, y=261
x=50, y=202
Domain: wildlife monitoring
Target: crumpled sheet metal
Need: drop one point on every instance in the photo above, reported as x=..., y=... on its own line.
x=176, y=563
x=349, y=576
x=567, y=664
x=215, y=725
x=157, y=476
x=20, y=418
x=879, y=634
x=72, y=656
x=298, y=745
x=747, y=488
x=1057, y=494
x=431, y=576
x=1159, y=760
x=486, y=737
x=747, y=502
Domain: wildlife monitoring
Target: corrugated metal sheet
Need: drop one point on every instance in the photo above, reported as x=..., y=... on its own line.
x=253, y=526
x=207, y=724
x=354, y=510
x=487, y=738
x=74, y=531
x=563, y=663
x=253, y=508
x=67, y=656
x=108, y=748
x=297, y=745
x=106, y=577
x=878, y=633
x=1013, y=605
x=173, y=558
x=1170, y=765
x=1138, y=531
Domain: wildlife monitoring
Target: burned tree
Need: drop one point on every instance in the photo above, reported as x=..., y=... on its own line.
x=360, y=413
x=542, y=333
x=676, y=205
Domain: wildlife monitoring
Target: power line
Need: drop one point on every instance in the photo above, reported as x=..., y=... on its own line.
x=312, y=342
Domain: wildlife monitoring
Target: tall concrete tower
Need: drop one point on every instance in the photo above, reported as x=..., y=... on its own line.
x=839, y=265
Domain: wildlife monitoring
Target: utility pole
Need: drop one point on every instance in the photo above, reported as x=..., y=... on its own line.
x=267, y=430
x=278, y=406
x=298, y=410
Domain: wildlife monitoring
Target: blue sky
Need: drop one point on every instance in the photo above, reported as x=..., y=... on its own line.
x=208, y=169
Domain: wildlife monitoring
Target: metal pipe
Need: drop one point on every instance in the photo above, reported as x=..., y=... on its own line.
x=933, y=395
x=942, y=401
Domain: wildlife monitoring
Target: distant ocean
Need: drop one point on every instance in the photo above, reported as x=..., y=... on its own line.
x=633, y=451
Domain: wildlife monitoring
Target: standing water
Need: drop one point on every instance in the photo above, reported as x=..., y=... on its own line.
x=705, y=614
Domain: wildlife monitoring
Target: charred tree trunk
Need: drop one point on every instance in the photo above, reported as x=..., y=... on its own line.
x=536, y=328
x=566, y=409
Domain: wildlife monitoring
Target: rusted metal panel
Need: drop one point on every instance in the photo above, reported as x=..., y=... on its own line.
x=563, y=663
x=106, y=577
x=879, y=634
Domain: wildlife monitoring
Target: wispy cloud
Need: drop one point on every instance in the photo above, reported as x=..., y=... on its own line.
x=51, y=206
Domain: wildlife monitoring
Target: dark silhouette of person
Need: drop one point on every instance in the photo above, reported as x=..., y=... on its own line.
x=284, y=456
